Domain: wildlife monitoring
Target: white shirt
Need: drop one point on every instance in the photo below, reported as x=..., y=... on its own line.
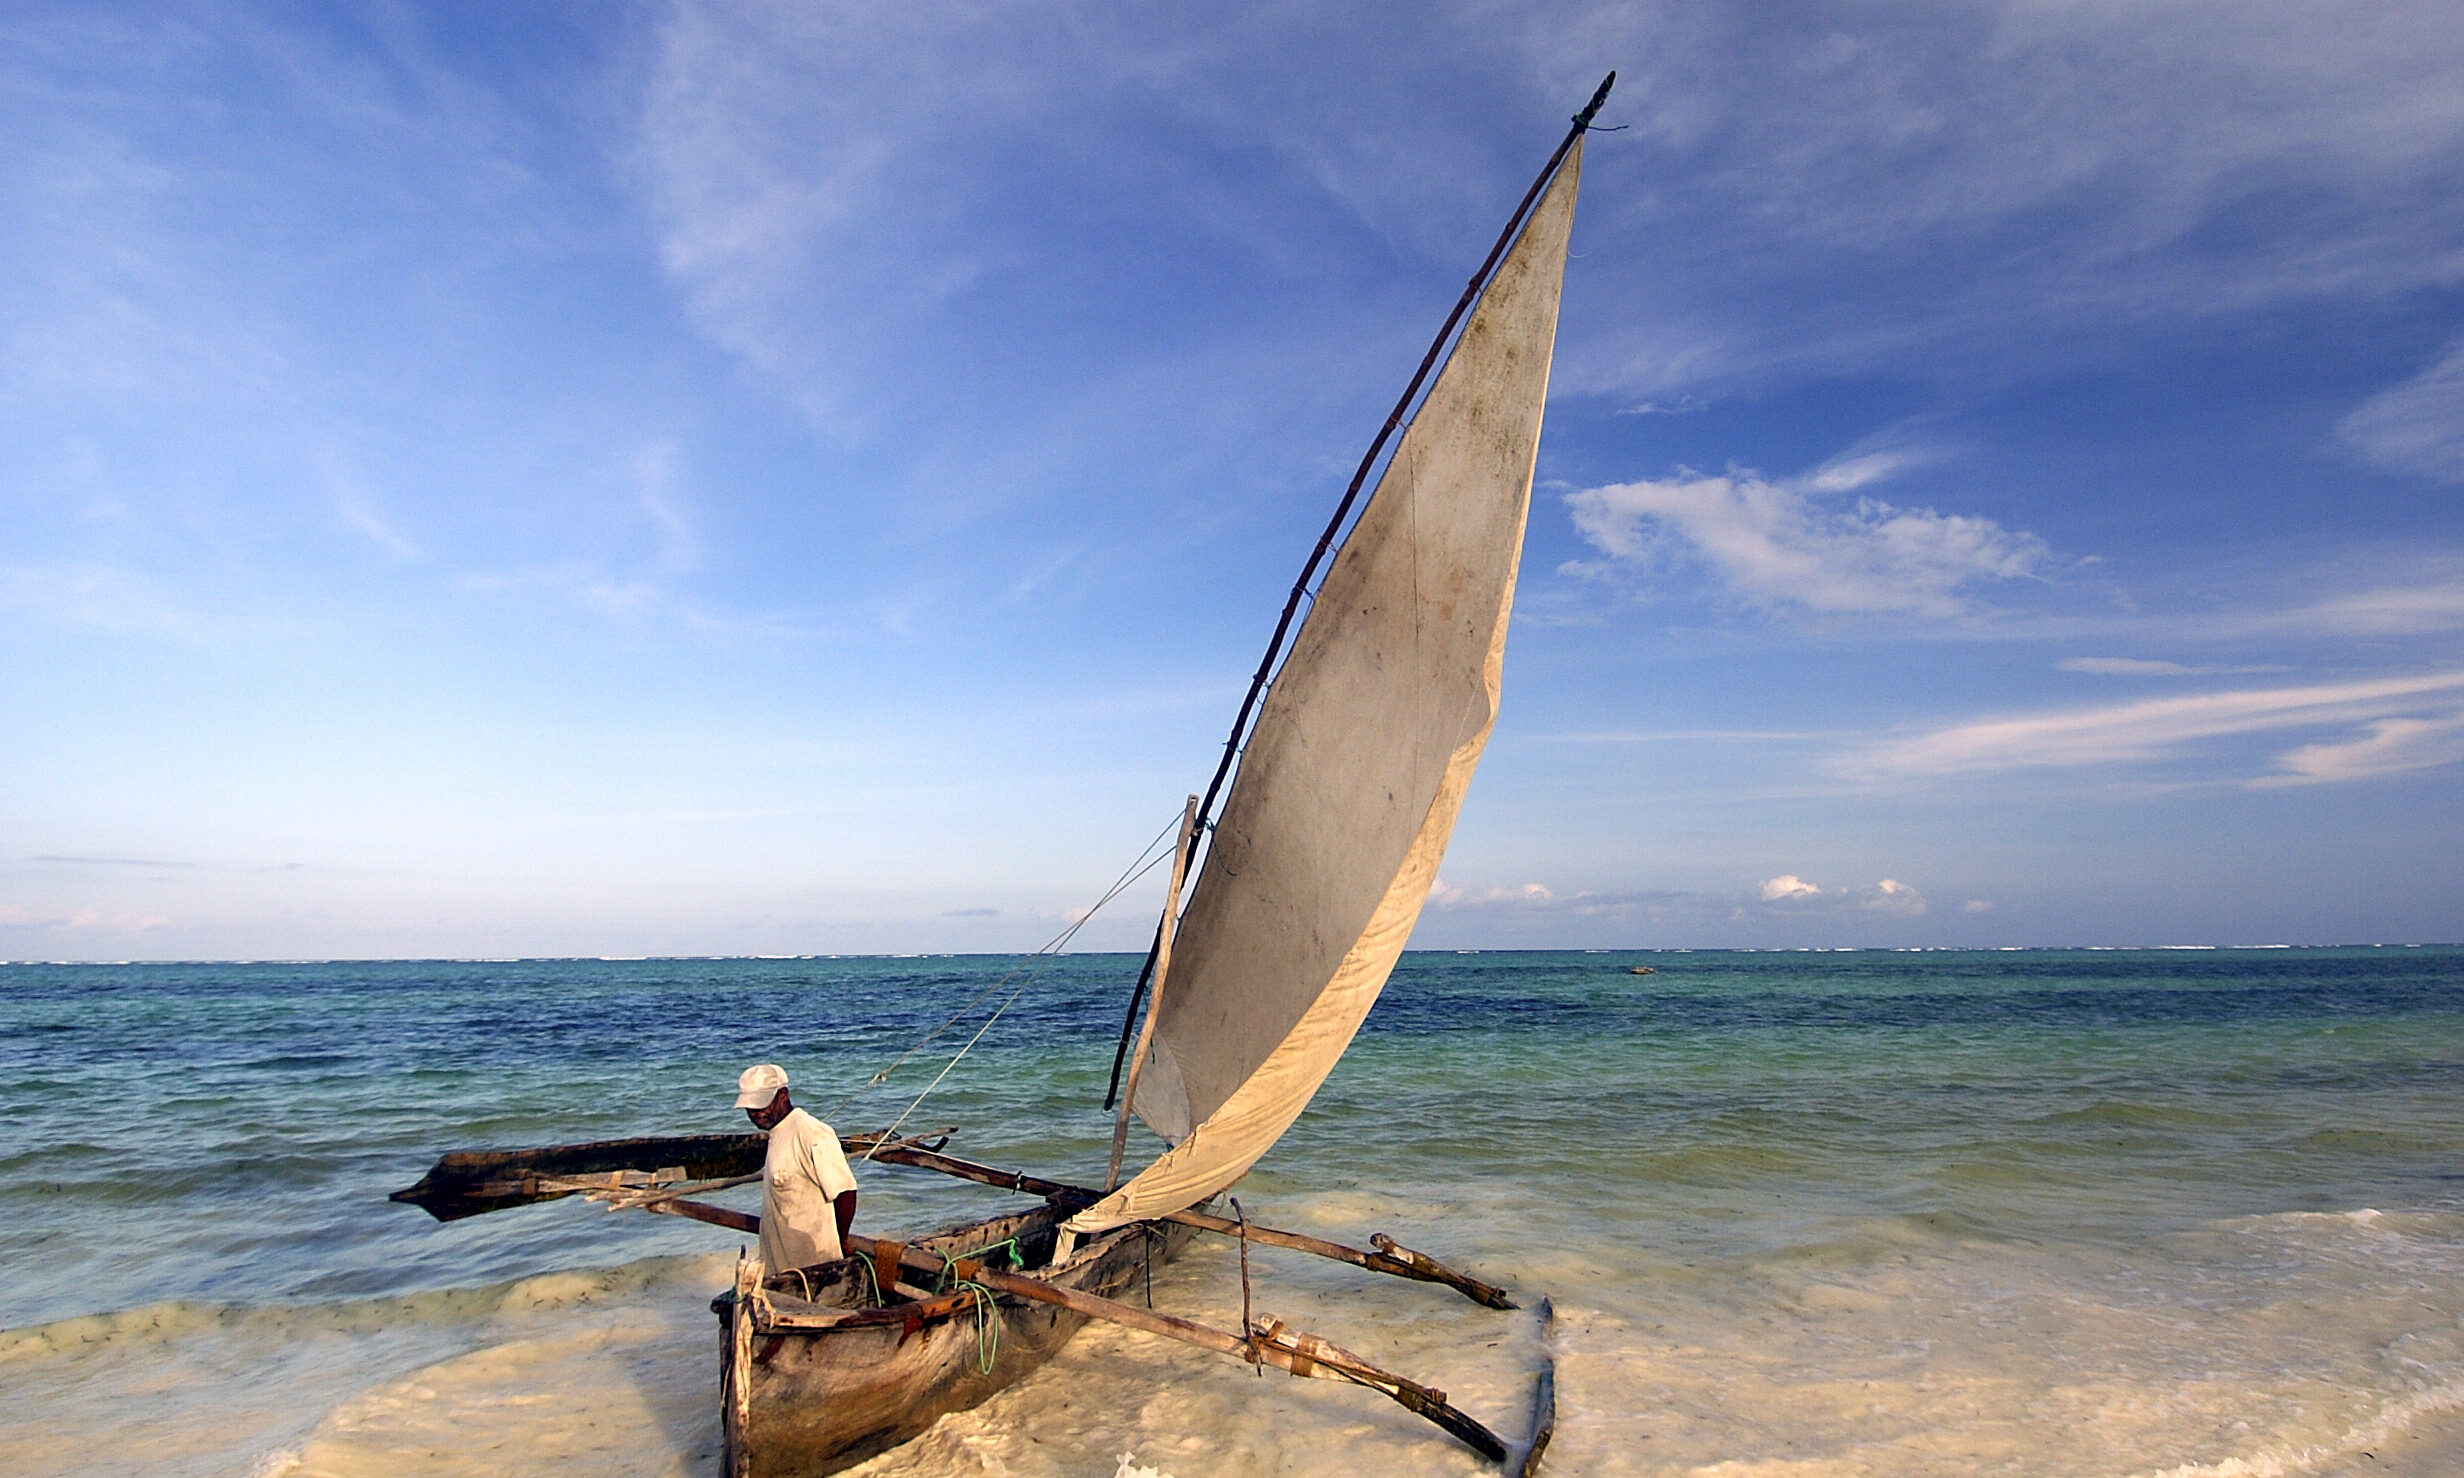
x=804, y=1174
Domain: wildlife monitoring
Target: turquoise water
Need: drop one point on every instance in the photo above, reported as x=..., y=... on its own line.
x=2059, y=1212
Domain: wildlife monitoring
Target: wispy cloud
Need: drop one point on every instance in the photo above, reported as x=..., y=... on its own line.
x=1788, y=886
x=2144, y=667
x=2392, y=746
x=587, y=586
x=356, y=512
x=74, y=860
x=2419, y=708
x=2005, y=180
x=2416, y=427
x=657, y=475
x=84, y=593
x=94, y=920
x=2393, y=610
x=1776, y=544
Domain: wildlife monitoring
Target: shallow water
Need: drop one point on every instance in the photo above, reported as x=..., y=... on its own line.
x=2040, y=1212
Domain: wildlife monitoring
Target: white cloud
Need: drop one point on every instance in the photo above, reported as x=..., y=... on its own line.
x=2000, y=176
x=1892, y=896
x=656, y=472
x=1443, y=894
x=89, y=919
x=1977, y=905
x=358, y=514
x=2395, y=610
x=1679, y=405
x=1775, y=545
x=2156, y=728
x=2141, y=667
x=2417, y=426
x=1795, y=896
x=2391, y=747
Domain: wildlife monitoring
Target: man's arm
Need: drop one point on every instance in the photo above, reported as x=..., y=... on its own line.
x=845, y=1205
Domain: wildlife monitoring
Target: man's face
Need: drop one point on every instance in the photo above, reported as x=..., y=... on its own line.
x=766, y=1118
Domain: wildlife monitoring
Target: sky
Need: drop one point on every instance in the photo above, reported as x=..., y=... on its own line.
x=618, y=479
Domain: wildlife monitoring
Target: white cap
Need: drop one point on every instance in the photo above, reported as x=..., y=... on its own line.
x=759, y=1084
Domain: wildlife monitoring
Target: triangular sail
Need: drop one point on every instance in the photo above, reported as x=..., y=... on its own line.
x=1350, y=783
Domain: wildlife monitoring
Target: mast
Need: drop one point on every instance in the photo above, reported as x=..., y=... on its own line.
x=1334, y=525
x=1162, y=964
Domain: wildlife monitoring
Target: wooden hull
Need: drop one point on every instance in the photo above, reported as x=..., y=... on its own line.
x=815, y=1377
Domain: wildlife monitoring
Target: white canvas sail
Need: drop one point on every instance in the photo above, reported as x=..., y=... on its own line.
x=1350, y=783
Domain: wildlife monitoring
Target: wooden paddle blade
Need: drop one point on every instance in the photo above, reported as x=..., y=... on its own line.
x=470, y=1182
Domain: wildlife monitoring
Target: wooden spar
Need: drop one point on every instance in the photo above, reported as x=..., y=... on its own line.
x=1390, y=1258
x=1544, y=1401
x=1272, y=1343
x=467, y=1183
x=717, y=1216
x=1163, y=965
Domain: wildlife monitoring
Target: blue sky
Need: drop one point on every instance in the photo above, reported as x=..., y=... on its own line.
x=620, y=479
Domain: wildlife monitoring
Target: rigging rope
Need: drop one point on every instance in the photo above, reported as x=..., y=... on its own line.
x=1147, y=860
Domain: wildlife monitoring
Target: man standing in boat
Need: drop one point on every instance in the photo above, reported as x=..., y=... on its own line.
x=808, y=1195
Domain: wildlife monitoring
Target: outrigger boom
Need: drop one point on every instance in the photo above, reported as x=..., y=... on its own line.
x=470, y=1183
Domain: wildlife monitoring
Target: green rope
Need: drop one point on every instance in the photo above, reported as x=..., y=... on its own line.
x=987, y=1328
x=987, y=1313
x=949, y=1259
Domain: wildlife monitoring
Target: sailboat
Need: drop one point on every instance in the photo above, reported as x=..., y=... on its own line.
x=1347, y=787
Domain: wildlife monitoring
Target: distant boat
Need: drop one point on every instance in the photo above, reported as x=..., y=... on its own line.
x=1642, y=970
x=1347, y=790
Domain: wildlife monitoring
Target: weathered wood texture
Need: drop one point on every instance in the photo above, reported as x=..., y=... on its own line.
x=468, y=1182
x=1390, y=1258
x=829, y=1381
x=1270, y=1343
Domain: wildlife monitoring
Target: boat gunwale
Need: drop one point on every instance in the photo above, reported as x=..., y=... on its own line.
x=814, y=1320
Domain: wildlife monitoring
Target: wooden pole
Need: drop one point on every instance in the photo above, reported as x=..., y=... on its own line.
x=1390, y=1258
x=1155, y=1001
x=468, y=1184
x=1288, y=1349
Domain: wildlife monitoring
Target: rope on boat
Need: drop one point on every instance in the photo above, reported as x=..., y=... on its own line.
x=949, y=1260
x=987, y=1328
x=987, y=1310
x=1148, y=859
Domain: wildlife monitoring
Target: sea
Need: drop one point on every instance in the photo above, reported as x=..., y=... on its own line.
x=2070, y=1213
